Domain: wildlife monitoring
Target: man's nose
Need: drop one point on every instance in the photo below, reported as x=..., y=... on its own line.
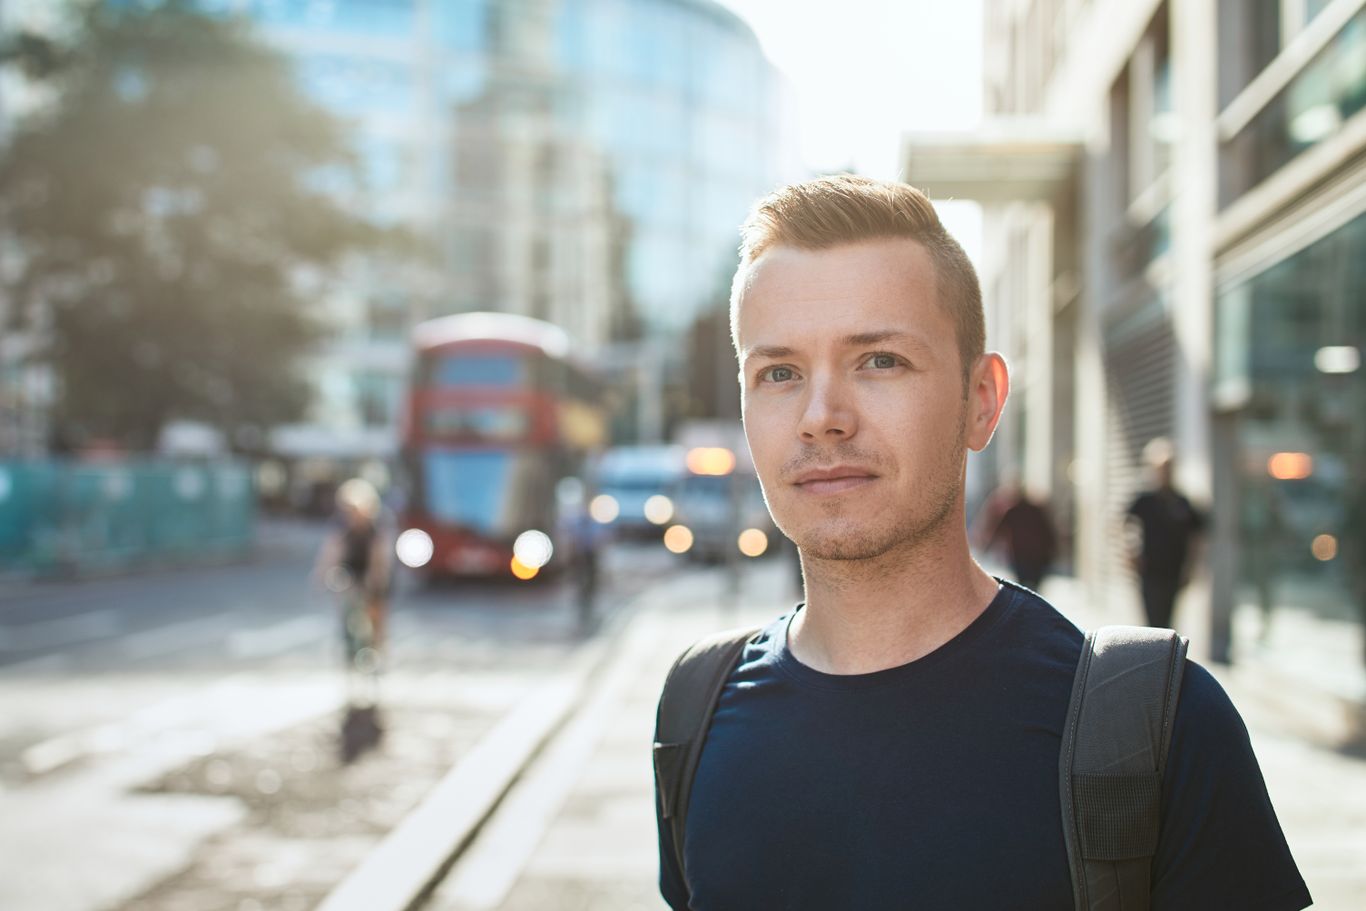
x=828, y=412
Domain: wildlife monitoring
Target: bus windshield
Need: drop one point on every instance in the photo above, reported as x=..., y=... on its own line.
x=493, y=493
x=468, y=488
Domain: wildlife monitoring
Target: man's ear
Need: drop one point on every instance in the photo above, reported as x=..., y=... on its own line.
x=988, y=388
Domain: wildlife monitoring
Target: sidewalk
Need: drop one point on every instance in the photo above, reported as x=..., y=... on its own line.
x=1307, y=735
x=578, y=830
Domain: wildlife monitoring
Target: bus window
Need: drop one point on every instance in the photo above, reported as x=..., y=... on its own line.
x=500, y=370
x=494, y=423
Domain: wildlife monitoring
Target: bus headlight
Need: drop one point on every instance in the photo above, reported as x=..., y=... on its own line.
x=533, y=549
x=522, y=571
x=414, y=548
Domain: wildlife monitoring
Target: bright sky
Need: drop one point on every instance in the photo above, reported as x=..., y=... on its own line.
x=864, y=72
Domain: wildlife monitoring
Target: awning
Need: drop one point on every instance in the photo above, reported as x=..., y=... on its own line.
x=1002, y=161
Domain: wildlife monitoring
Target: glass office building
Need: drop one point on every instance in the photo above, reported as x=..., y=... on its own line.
x=583, y=161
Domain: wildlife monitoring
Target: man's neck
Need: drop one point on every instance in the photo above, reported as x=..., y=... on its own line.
x=868, y=615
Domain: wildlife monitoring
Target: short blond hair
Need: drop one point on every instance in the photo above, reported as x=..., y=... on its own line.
x=844, y=209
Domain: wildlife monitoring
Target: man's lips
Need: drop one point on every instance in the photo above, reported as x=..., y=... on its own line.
x=832, y=480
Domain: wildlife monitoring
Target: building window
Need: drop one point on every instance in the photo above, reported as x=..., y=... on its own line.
x=1314, y=106
x=1152, y=116
x=1249, y=39
x=1142, y=131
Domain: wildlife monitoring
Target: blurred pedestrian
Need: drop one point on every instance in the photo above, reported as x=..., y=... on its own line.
x=1024, y=528
x=587, y=538
x=584, y=539
x=1263, y=543
x=354, y=561
x=1354, y=548
x=1169, y=529
x=896, y=739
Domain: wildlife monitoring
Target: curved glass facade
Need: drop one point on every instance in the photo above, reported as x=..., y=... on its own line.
x=681, y=98
x=587, y=162
x=673, y=98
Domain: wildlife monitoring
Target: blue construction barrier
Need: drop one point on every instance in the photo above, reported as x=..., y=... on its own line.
x=61, y=516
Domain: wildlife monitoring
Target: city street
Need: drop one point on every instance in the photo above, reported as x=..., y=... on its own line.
x=179, y=730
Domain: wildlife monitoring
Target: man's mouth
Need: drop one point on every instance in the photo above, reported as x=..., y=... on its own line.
x=833, y=480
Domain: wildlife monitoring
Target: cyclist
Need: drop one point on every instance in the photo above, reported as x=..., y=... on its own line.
x=354, y=562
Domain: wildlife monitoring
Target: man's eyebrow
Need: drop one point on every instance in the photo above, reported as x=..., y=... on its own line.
x=859, y=339
x=766, y=352
x=855, y=340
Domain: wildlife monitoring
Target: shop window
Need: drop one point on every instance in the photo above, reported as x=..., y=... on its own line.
x=1290, y=342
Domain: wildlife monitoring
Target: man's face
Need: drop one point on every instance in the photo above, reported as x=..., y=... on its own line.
x=1163, y=471
x=852, y=396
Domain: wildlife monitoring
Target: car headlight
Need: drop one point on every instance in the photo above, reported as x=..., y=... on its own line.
x=678, y=539
x=752, y=542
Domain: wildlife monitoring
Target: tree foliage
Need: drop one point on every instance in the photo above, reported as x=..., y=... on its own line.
x=159, y=214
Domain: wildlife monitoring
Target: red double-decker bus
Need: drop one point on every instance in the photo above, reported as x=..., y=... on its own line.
x=497, y=415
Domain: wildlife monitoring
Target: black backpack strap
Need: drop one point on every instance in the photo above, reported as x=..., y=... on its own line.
x=1114, y=750
x=690, y=694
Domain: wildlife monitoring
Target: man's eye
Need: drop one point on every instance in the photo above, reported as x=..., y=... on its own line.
x=882, y=361
x=776, y=374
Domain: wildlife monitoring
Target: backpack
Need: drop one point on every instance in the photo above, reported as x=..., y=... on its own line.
x=1114, y=750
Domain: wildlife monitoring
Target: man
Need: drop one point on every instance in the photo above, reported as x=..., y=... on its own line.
x=1169, y=527
x=1023, y=528
x=893, y=742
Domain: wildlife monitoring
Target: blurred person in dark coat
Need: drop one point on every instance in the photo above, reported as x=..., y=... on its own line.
x=1354, y=549
x=1264, y=532
x=1024, y=528
x=1169, y=528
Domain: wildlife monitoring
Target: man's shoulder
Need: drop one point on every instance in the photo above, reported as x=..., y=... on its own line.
x=752, y=635
x=1041, y=622
x=1204, y=707
x=1141, y=500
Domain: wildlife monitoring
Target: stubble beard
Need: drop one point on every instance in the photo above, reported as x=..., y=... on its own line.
x=855, y=538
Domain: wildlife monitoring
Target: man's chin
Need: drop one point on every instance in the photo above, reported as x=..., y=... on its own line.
x=862, y=538
x=844, y=543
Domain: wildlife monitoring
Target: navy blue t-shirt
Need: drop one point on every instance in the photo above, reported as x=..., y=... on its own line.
x=934, y=784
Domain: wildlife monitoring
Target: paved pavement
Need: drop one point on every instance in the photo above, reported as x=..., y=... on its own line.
x=578, y=832
x=178, y=732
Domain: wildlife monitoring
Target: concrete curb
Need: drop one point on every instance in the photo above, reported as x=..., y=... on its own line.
x=401, y=872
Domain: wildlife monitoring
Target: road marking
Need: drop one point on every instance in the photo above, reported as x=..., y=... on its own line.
x=279, y=637
x=47, y=664
x=175, y=637
x=236, y=707
x=63, y=631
